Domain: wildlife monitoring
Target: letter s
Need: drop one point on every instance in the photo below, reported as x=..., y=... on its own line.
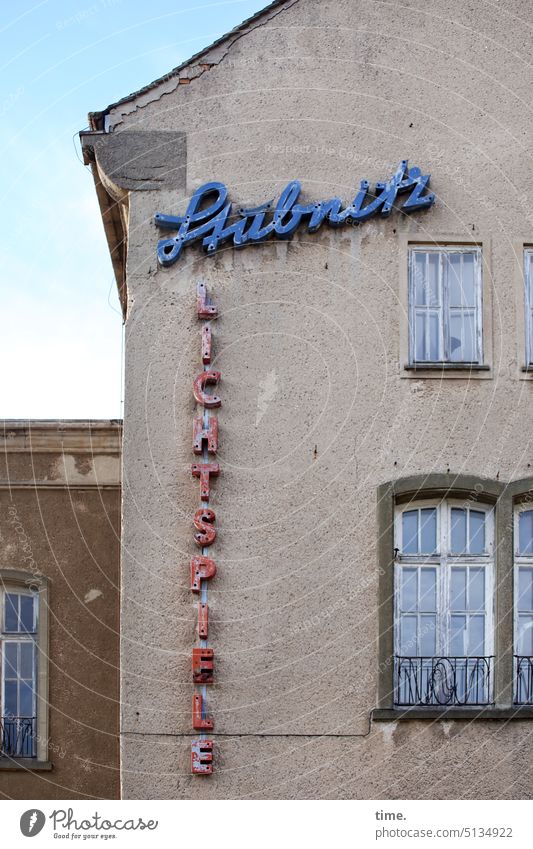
x=203, y=522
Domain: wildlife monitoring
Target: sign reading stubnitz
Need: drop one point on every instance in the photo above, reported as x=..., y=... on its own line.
x=214, y=224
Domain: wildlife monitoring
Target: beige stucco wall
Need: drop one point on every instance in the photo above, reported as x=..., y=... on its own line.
x=327, y=92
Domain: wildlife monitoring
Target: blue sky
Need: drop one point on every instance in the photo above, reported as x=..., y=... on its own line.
x=61, y=328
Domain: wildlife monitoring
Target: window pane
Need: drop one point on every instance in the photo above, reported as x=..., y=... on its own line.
x=463, y=343
x=420, y=336
x=409, y=589
x=11, y=662
x=476, y=589
x=26, y=613
x=530, y=276
x=476, y=643
x=427, y=334
x=525, y=588
x=428, y=590
x=477, y=532
x=458, y=530
x=468, y=280
x=26, y=661
x=11, y=612
x=462, y=291
x=420, y=283
x=428, y=530
x=525, y=635
x=26, y=699
x=454, y=280
x=458, y=636
x=408, y=647
x=433, y=295
x=410, y=532
x=458, y=589
x=427, y=636
x=434, y=354
x=525, y=532
x=10, y=703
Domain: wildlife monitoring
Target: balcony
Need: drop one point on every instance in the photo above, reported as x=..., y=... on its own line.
x=18, y=736
x=443, y=681
x=523, y=694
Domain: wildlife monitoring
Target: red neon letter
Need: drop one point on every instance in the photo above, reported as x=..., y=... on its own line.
x=206, y=345
x=203, y=620
x=203, y=307
x=202, y=569
x=210, y=434
x=199, y=722
x=203, y=522
x=199, y=385
x=202, y=757
x=204, y=471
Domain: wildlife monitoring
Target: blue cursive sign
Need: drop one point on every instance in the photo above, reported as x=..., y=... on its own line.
x=213, y=222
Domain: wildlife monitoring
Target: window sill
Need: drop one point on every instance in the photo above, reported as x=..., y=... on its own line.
x=446, y=371
x=447, y=367
x=453, y=713
x=25, y=764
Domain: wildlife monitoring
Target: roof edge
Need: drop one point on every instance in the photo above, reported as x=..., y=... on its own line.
x=97, y=119
x=63, y=436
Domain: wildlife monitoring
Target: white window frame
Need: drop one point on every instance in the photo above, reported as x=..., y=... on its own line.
x=443, y=561
x=528, y=305
x=520, y=560
x=20, y=583
x=445, y=310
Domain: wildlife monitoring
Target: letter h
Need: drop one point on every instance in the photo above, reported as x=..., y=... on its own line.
x=201, y=433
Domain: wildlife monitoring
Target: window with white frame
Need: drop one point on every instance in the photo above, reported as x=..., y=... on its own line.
x=528, y=277
x=18, y=637
x=443, y=603
x=523, y=548
x=445, y=305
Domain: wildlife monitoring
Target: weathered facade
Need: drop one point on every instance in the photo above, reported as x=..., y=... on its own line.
x=59, y=620
x=334, y=415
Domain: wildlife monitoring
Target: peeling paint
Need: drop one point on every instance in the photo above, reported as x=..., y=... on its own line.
x=92, y=595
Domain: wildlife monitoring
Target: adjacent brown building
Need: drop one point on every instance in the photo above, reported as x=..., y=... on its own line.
x=59, y=609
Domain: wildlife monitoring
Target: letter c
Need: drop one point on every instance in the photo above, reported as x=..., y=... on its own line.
x=200, y=382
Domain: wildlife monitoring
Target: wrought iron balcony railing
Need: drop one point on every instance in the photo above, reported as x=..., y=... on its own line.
x=523, y=694
x=18, y=736
x=443, y=681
